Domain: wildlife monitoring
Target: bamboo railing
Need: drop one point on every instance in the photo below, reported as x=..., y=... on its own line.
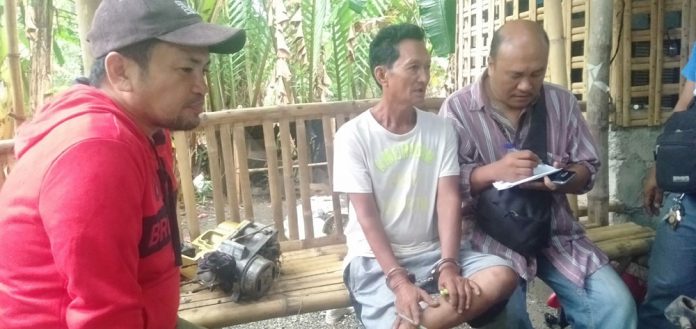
x=286, y=164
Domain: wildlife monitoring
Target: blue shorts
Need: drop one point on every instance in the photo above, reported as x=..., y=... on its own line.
x=375, y=301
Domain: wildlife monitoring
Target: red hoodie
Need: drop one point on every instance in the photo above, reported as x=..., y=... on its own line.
x=85, y=234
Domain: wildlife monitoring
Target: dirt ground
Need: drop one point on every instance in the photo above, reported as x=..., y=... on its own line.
x=536, y=296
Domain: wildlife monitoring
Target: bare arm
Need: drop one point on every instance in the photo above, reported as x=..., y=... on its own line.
x=685, y=97
x=449, y=216
x=407, y=295
x=460, y=290
x=368, y=217
x=513, y=166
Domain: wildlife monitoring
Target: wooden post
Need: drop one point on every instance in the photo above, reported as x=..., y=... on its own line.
x=13, y=58
x=85, y=14
x=553, y=19
x=183, y=158
x=616, y=74
x=596, y=87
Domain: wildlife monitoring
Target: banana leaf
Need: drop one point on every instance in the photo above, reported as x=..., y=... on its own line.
x=438, y=18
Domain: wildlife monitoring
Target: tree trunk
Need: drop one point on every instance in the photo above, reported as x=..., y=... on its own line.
x=597, y=86
x=13, y=59
x=85, y=14
x=39, y=29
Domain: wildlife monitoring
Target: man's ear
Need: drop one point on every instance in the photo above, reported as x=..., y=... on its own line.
x=381, y=75
x=119, y=71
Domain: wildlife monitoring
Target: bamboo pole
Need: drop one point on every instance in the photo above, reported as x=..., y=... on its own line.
x=274, y=182
x=626, y=45
x=598, y=54
x=288, y=183
x=302, y=159
x=533, y=10
x=215, y=173
x=13, y=58
x=459, y=51
x=656, y=61
x=329, y=129
x=230, y=165
x=626, y=247
x=183, y=159
x=617, y=64
x=239, y=135
x=85, y=14
x=625, y=232
x=256, y=115
x=613, y=207
x=228, y=314
x=558, y=60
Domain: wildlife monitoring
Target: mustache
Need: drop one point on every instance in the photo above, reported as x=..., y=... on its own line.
x=198, y=102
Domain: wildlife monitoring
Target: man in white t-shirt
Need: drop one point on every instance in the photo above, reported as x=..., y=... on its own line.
x=399, y=167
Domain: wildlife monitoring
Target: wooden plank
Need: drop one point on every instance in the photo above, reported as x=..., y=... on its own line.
x=274, y=183
x=243, y=163
x=183, y=162
x=215, y=174
x=288, y=182
x=230, y=172
x=305, y=179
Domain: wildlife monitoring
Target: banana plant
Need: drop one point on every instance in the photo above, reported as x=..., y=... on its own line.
x=438, y=19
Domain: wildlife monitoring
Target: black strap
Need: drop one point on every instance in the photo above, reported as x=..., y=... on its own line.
x=168, y=196
x=536, y=137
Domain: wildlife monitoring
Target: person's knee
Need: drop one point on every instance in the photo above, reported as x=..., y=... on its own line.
x=498, y=281
x=624, y=306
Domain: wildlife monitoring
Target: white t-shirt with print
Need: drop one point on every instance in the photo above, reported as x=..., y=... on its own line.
x=402, y=172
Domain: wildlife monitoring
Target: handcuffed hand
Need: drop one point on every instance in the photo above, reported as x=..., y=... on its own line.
x=408, y=296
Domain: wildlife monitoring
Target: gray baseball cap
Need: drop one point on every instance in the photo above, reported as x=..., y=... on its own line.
x=120, y=23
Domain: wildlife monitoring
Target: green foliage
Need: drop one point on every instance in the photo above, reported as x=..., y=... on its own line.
x=296, y=51
x=340, y=63
x=439, y=22
x=313, y=19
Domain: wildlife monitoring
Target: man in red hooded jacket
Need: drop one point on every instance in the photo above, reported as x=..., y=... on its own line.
x=88, y=223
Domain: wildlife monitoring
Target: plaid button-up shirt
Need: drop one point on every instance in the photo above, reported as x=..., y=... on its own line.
x=481, y=142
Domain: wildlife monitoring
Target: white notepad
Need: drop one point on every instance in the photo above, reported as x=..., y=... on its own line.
x=539, y=172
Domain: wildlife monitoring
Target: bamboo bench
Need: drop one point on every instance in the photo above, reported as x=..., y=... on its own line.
x=311, y=281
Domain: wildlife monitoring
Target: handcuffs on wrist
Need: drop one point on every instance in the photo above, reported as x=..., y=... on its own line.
x=433, y=274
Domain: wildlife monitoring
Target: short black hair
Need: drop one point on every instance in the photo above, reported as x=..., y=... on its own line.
x=499, y=38
x=138, y=52
x=384, y=48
